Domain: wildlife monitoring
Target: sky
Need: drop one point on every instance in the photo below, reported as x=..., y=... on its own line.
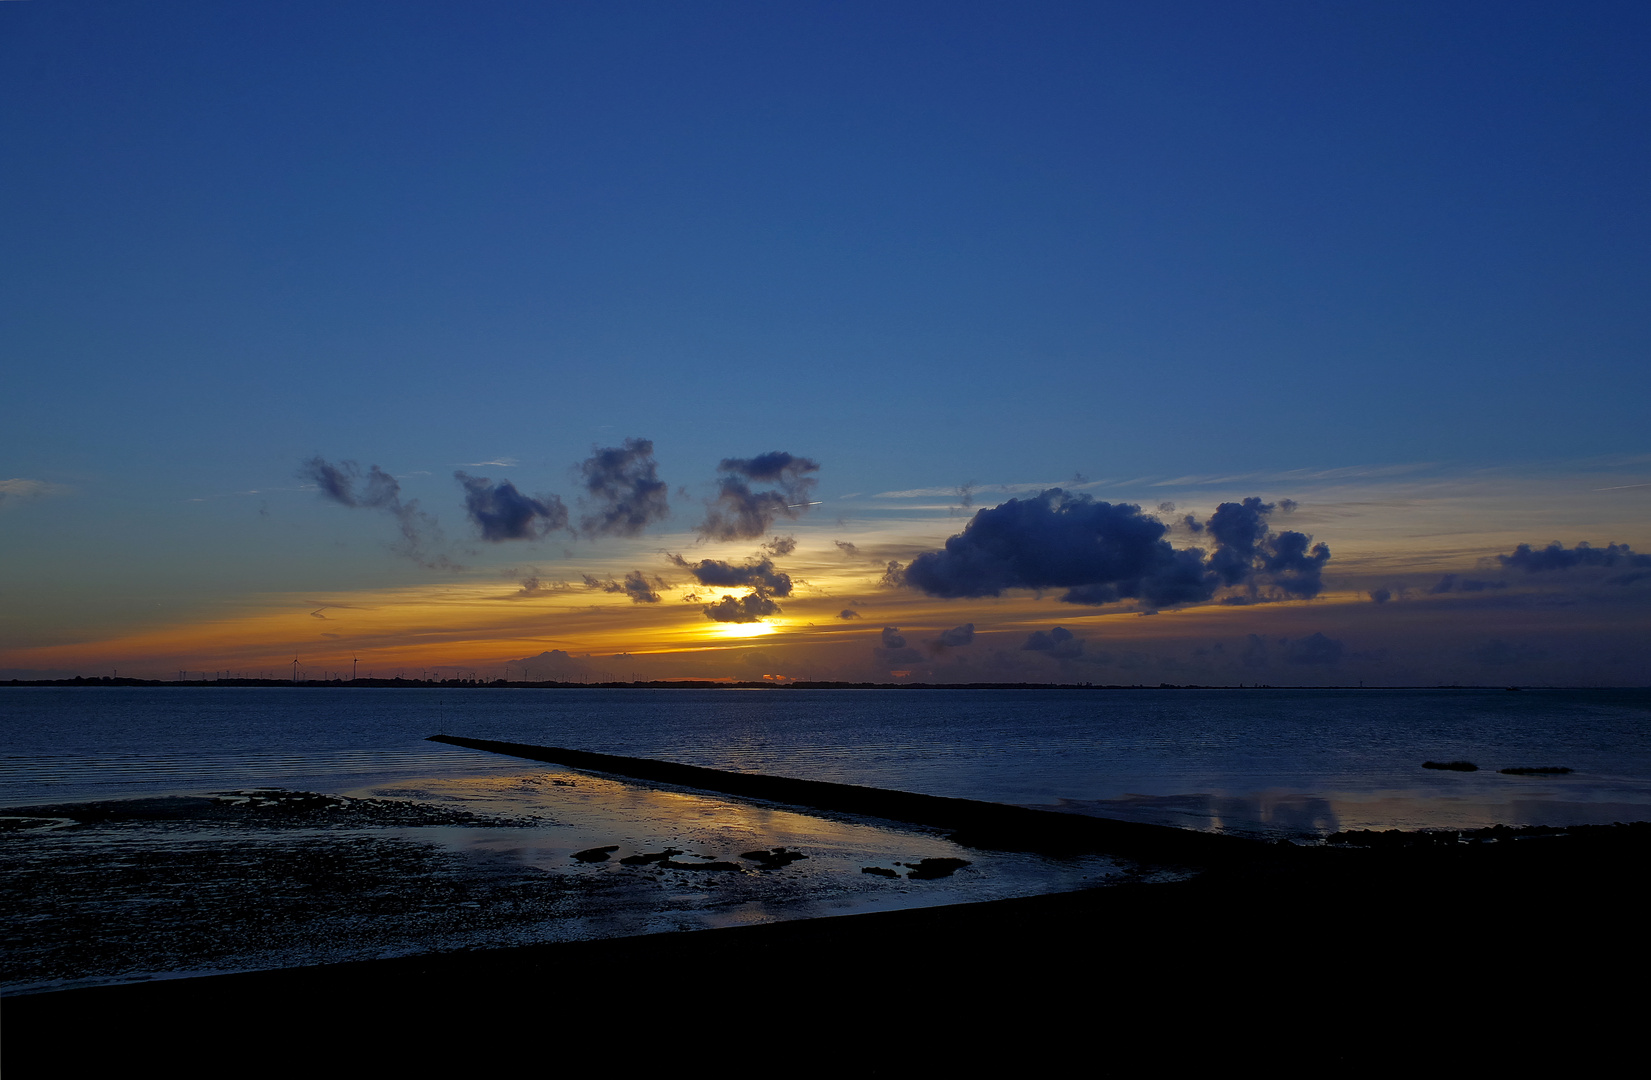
x=1281, y=343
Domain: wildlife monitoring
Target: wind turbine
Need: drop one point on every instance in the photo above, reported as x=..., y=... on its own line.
x=295, y=670
x=353, y=663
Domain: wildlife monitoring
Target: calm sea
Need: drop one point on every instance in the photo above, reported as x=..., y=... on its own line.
x=1273, y=762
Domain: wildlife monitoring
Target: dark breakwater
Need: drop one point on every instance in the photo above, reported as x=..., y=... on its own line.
x=972, y=822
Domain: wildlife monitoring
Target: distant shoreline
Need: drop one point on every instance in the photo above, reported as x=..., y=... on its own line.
x=713, y=684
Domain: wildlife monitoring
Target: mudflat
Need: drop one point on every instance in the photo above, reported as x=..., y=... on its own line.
x=1499, y=944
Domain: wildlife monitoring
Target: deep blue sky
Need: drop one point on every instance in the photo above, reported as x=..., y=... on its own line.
x=981, y=239
x=923, y=243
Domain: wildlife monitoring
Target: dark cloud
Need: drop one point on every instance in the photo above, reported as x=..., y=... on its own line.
x=1557, y=557
x=1100, y=552
x=849, y=613
x=338, y=483
x=847, y=548
x=750, y=608
x=421, y=536
x=1313, y=649
x=781, y=546
x=1060, y=643
x=1245, y=545
x=502, y=513
x=955, y=637
x=892, y=647
x=638, y=586
x=624, y=489
x=1294, y=569
x=740, y=512
x=1381, y=595
x=756, y=574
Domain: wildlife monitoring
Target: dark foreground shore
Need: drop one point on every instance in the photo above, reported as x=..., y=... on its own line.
x=1408, y=949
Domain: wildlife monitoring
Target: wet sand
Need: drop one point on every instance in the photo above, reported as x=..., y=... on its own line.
x=1419, y=948
x=1476, y=951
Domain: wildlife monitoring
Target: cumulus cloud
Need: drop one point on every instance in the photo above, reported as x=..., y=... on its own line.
x=740, y=512
x=625, y=493
x=750, y=608
x=500, y=512
x=1059, y=643
x=639, y=587
x=956, y=637
x=1381, y=595
x=344, y=484
x=849, y=613
x=1245, y=545
x=756, y=573
x=1100, y=553
x=847, y=548
x=781, y=546
x=1557, y=557
x=554, y=665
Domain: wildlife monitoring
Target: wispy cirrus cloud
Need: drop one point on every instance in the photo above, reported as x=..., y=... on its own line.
x=20, y=489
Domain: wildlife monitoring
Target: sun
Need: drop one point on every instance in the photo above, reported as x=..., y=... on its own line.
x=748, y=629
